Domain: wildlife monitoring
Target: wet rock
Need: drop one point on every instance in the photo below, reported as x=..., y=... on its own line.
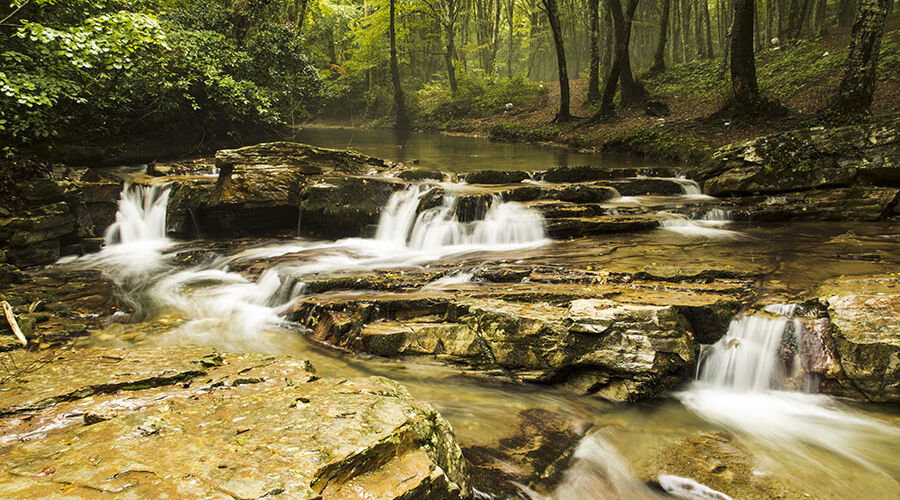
x=851, y=204
x=54, y=215
x=496, y=177
x=421, y=174
x=575, y=227
x=617, y=350
x=535, y=455
x=585, y=173
x=646, y=187
x=717, y=461
x=805, y=159
x=865, y=330
x=283, y=431
x=299, y=158
x=337, y=207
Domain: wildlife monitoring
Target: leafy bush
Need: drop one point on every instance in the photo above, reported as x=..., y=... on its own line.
x=475, y=97
x=83, y=71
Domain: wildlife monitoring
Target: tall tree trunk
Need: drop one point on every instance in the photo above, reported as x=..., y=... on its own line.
x=622, y=38
x=553, y=16
x=819, y=19
x=706, y=20
x=677, y=54
x=687, y=54
x=449, y=55
x=511, y=11
x=659, y=60
x=594, y=72
x=698, y=29
x=743, y=60
x=402, y=123
x=769, y=18
x=854, y=96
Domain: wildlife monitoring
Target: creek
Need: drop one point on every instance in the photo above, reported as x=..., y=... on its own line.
x=741, y=414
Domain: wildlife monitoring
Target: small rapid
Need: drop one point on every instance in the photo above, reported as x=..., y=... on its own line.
x=504, y=224
x=743, y=385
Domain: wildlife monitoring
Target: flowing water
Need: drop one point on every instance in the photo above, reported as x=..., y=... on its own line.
x=805, y=444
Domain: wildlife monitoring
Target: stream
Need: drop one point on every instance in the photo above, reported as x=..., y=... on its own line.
x=788, y=442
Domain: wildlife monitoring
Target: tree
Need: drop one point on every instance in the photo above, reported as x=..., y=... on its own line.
x=446, y=12
x=594, y=72
x=402, y=123
x=622, y=32
x=743, y=60
x=854, y=96
x=552, y=8
x=659, y=61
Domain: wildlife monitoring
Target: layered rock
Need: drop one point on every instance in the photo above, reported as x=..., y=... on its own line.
x=64, y=213
x=863, y=332
x=621, y=349
x=800, y=160
x=190, y=422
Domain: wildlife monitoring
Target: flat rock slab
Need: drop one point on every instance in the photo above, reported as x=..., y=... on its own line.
x=192, y=423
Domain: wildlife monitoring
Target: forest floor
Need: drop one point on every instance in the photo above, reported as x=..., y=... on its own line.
x=802, y=76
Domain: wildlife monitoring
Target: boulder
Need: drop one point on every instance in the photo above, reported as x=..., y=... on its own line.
x=190, y=422
x=865, y=330
x=814, y=158
x=421, y=174
x=299, y=158
x=496, y=177
x=856, y=203
x=587, y=173
x=338, y=207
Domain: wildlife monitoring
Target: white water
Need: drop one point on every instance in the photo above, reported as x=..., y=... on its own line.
x=438, y=227
x=740, y=387
x=708, y=225
x=141, y=216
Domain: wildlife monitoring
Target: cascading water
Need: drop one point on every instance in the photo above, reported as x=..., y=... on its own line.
x=708, y=225
x=141, y=216
x=740, y=386
x=504, y=223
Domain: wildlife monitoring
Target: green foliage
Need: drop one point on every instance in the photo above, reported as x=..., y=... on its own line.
x=519, y=132
x=89, y=70
x=475, y=97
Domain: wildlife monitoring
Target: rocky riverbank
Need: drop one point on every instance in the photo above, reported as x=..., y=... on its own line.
x=642, y=271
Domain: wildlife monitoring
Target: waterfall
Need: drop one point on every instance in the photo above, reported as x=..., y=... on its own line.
x=141, y=216
x=504, y=223
x=741, y=386
x=753, y=354
x=708, y=225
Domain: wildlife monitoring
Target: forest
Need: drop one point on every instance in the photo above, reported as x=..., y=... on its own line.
x=214, y=72
x=450, y=249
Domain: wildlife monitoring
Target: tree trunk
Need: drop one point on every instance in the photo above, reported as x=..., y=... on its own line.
x=594, y=72
x=402, y=123
x=846, y=9
x=553, y=16
x=511, y=11
x=747, y=99
x=622, y=38
x=706, y=20
x=659, y=60
x=449, y=55
x=854, y=96
x=301, y=16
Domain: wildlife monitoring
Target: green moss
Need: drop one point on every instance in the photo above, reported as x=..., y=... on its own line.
x=519, y=132
x=657, y=142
